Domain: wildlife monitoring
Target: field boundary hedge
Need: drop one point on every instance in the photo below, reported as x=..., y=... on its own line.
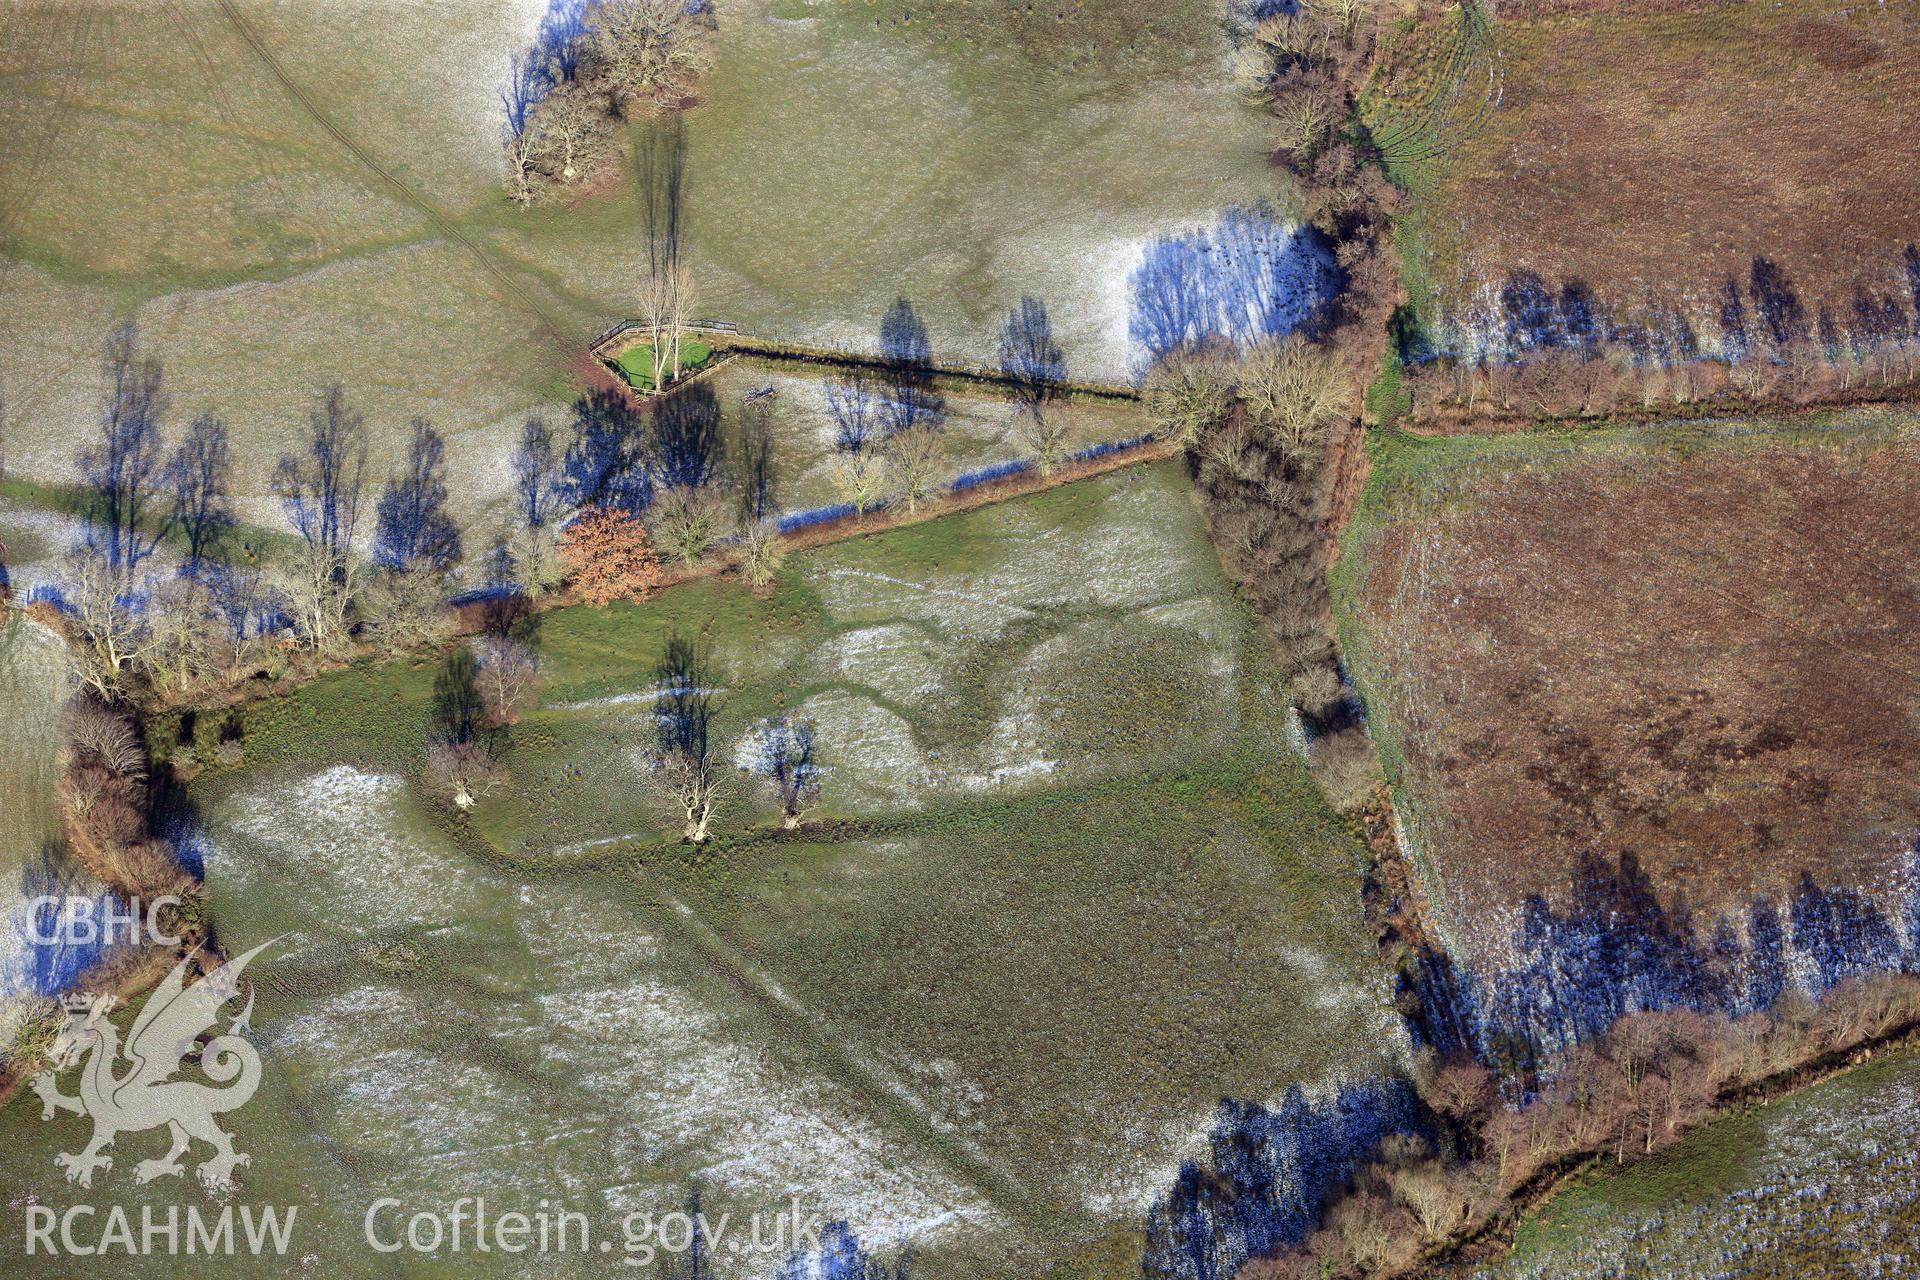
x=726, y=339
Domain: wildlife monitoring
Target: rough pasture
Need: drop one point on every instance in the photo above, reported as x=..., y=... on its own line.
x=1693, y=646
x=1645, y=156
x=929, y=1016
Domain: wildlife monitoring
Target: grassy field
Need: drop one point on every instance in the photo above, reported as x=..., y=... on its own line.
x=1692, y=635
x=33, y=676
x=983, y=1014
x=1825, y=1183
x=1079, y=635
x=1648, y=156
x=263, y=256
x=1067, y=134
x=636, y=363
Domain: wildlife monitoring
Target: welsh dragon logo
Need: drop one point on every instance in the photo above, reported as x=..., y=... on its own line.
x=130, y=1088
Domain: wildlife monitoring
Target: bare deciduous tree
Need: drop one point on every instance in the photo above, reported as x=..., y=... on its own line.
x=505, y=672
x=111, y=631
x=646, y=51
x=405, y=608
x=1281, y=43
x=321, y=587
x=572, y=131
x=1307, y=110
x=761, y=553
x=188, y=637
x=320, y=492
x=1297, y=391
x=1342, y=16
x=536, y=559
x=913, y=465
x=1186, y=394
x=460, y=772
x=687, y=519
x=684, y=705
x=97, y=731
x=1754, y=376
x=860, y=479
x=525, y=151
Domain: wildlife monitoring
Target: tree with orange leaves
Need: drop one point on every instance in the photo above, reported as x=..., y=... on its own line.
x=609, y=556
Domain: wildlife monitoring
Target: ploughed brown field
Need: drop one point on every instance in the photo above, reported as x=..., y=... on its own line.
x=1702, y=656
x=1649, y=155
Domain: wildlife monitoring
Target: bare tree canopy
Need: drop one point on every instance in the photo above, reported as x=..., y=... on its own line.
x=646, y=50
x=1296, y=390
x=683, y=716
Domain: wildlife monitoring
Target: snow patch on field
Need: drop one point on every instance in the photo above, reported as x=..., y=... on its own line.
x=953, y=601
x=871, y=749
x=1012, y=752
x=1128, y=1188
x=1004, y=774
x=632, y=697
x=356, y=836
x=669, y=1068
x=896, y=660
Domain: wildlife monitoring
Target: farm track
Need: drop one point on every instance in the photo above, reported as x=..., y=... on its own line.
x=20, y=190
x=1432, y=132
x=440, y=220
x=888, y=1102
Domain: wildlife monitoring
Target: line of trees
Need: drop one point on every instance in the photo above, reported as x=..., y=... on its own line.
x=1634, y=1091
x=887, y=425
x=231, y=610
x=1627, y=1022
x=1270, y=422
x=1563, y=1063
x=888, y=445
x=1541, y=351
x=593, y=64
x=367, y=566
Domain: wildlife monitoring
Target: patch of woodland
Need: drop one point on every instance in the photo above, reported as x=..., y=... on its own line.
x=595, y=65
x=1272, y=429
